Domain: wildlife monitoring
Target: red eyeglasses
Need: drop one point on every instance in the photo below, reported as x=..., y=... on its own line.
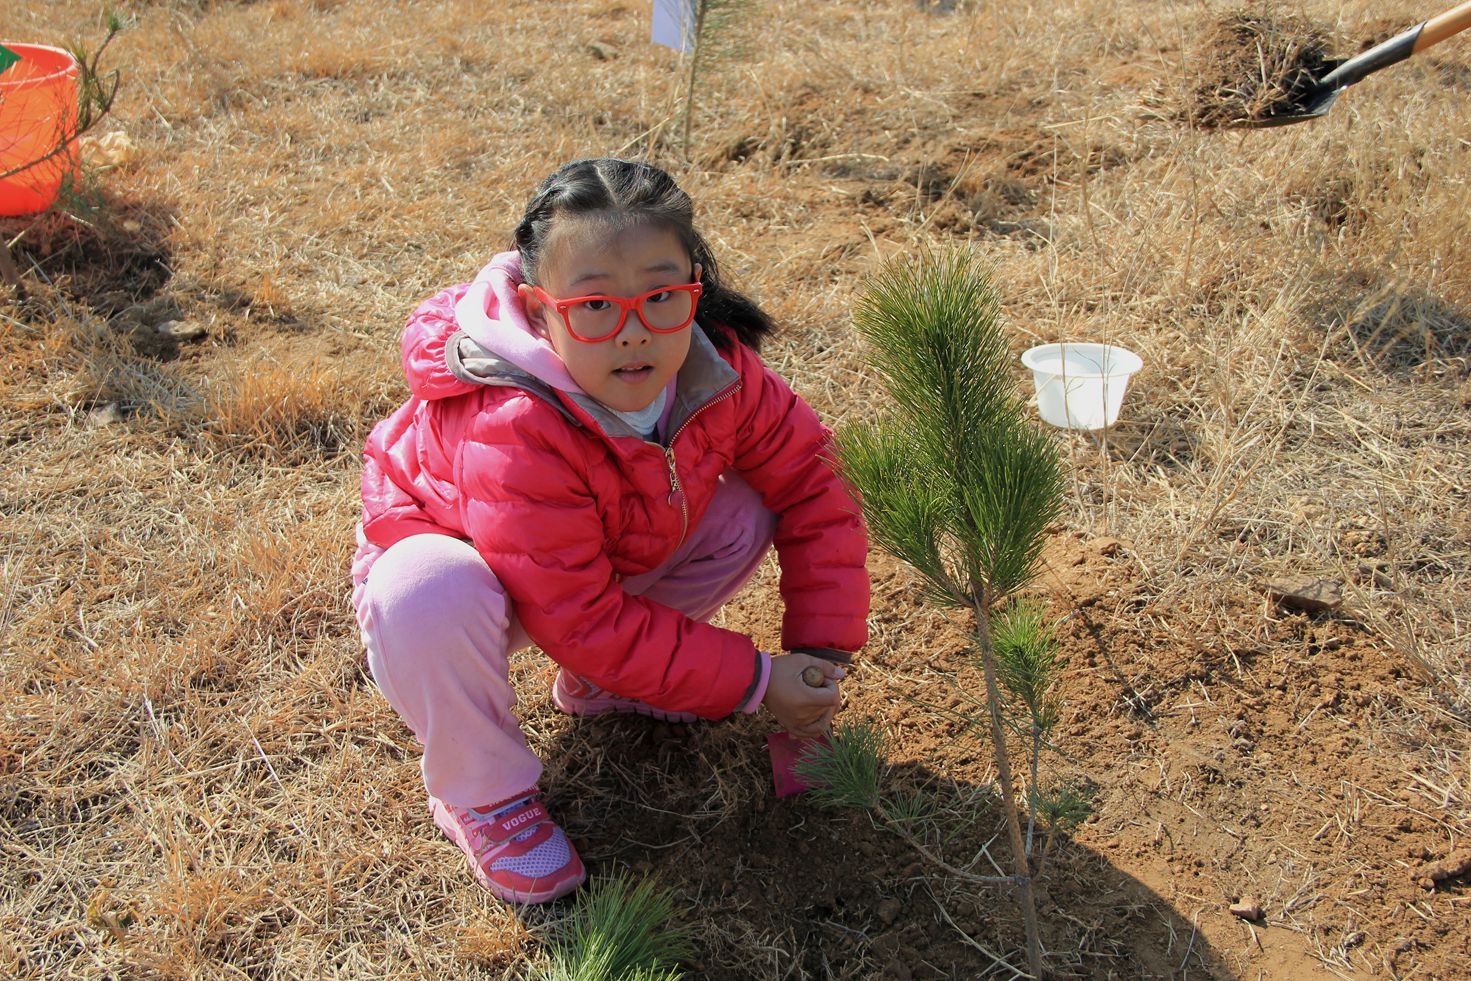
x=590, y=319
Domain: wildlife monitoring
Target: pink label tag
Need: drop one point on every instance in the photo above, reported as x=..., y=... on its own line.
x=785, y=751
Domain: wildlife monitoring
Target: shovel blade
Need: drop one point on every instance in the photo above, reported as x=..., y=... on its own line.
x=1313, y=110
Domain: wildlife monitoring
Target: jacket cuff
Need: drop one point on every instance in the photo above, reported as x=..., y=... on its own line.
x=757, y=692
x=826, y=653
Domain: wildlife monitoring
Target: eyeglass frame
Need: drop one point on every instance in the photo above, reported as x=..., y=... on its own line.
x=625, y=304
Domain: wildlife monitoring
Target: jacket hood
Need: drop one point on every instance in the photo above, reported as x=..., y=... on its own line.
x=490, y=313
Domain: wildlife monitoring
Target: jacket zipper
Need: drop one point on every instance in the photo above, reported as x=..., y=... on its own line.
x=675, y=490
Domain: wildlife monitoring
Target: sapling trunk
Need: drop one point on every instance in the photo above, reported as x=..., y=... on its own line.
x=1019, y=850
x=9, y=274
x=689, y=92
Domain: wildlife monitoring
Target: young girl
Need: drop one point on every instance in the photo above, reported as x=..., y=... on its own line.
x=593, y=460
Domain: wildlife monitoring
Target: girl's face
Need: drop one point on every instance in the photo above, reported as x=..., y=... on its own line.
x=588, y=255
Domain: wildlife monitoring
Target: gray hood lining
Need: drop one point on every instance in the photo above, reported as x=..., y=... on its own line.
x=703, y=375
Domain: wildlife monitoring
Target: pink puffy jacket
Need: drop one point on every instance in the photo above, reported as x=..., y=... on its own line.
x=563, y=500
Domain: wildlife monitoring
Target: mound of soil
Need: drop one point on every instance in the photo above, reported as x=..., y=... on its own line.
x=1256, y=66
x=1220, y=777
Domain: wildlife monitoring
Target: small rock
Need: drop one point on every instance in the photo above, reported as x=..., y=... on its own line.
x=888, y=911
x=1027, y=229
x=602, y=51
x=181, y=330
x=154, y=311
x=1377, y=571
x=1246, y=910
x=1314, y=597
x=107, y=414
x=1453, y=866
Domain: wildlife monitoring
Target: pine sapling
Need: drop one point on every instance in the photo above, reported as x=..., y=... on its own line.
x=957, y=482
x=1026, y=664
x=848, y=770
x=618, y=930
x=716, y=39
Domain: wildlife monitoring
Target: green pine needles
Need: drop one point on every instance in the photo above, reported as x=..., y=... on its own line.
x=849, y=771
x=618, y=932
x=959, y=483
x=1026, y=659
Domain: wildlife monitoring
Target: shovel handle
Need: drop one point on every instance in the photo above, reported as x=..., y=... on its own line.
x=1397, y=48
x=1437, y=29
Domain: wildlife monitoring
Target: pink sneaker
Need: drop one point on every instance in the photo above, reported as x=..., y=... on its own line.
x=576, y=695
x=516, y=851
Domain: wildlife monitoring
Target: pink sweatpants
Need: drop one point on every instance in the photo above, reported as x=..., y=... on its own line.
x=439, y=630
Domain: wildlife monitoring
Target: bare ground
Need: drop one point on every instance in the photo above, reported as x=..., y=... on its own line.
x=198, y=775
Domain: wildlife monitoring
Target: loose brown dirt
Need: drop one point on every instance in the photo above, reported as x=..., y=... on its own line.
x=1221, y=775
x=1257, y=65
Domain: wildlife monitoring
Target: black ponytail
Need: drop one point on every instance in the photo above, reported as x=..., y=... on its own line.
x=641, y=192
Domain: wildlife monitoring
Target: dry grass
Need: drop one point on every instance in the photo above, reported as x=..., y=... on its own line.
x=199, y=778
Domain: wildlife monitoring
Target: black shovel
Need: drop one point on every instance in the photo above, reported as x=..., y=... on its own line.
x=1319, y=99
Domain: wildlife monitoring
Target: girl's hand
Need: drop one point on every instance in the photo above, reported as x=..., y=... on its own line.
x=802, y=710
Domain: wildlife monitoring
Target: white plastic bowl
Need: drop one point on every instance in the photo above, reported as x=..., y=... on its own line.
x=1081, y=386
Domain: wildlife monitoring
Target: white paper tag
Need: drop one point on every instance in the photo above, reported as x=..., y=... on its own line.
x=674, y=24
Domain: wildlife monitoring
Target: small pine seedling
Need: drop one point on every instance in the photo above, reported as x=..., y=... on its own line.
x=618, y=930
x=1060, y=810
x=849, y=770
x=909, y=811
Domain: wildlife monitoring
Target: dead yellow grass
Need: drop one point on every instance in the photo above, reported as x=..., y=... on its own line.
x=196, y=776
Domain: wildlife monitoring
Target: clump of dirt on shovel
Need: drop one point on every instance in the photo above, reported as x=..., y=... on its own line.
x=1255, y=66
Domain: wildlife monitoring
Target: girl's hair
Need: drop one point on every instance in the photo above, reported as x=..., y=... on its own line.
x=637, y=192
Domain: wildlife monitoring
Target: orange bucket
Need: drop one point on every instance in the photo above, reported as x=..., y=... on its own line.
x=38, y=112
